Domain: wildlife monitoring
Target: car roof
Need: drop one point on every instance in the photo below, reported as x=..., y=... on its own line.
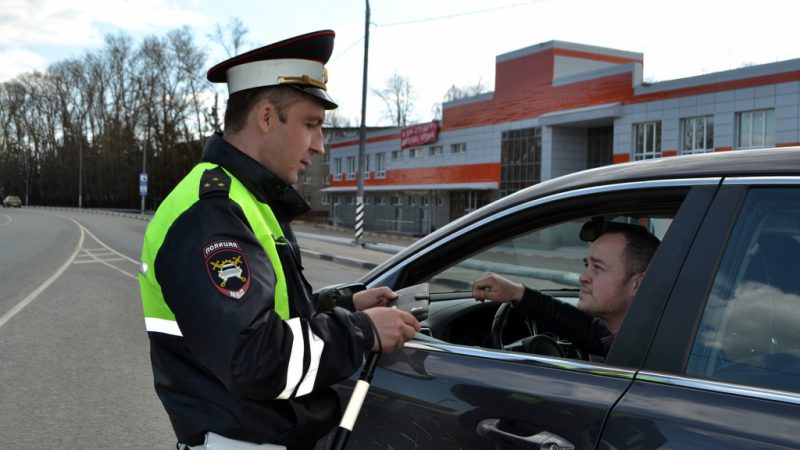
x=783, y=161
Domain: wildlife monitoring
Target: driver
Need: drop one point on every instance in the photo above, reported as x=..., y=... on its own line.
x=614, y=268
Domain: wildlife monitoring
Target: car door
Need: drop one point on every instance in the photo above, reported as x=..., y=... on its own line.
x=723, y=371
x=452, y=391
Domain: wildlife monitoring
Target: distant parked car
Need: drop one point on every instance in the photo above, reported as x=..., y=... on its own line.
x=708, y=355
x=12, y=200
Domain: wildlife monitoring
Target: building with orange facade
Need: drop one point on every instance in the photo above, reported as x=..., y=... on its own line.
x=557, y=108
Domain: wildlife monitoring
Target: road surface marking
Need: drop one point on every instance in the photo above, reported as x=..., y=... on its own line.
x=33, y=295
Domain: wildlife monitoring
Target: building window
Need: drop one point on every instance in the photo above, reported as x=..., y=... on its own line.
x=425, y=201
x=351, y=199
x=351, y=167
x=697, y=135
x=397, y=201
x=458, y=148
x=755, y=129
x=435, y=150
x=325, y=199
x=367, y=168
x=305, y=179
x=439, y=200
x=337, y=169
x=307, y=198
x=464, y=202
x=367, y=200
x=412, y=201
x=520, y=159
x=380, y=165
x=415, y=152
x=395, y=154
x=326, y=181
x=337, y=200
x=600, y=146
x=647, y=140
x=380, y=200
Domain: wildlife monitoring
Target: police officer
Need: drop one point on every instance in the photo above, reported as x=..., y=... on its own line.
x=241, y=349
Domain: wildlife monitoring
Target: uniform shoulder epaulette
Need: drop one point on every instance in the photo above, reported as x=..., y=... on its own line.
x=214, y=181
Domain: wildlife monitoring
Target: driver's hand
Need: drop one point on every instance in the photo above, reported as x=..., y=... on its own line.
x=380, y=296
x=491, y=286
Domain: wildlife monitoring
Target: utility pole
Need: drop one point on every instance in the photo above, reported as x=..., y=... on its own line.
x=80, y=166
x=362, y=139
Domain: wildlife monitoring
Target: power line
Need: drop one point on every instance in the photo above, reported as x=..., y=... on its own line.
x=450, y=16
x=340, y=54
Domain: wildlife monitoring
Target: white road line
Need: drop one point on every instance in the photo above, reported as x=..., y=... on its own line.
x=109, y=248
x=93, y=261
x=94, y=257
x=103, y=262
x=33, y=295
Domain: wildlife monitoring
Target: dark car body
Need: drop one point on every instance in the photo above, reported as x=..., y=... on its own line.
x=708, y=355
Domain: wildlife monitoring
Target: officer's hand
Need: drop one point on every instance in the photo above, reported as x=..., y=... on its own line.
x=394, y=326
x=493, y=287
x=373, y=297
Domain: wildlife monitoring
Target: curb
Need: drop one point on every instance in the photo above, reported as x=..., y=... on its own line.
x=361, y=264
x=104, y=212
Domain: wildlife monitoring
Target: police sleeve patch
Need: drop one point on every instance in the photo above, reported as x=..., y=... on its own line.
x=227, y=268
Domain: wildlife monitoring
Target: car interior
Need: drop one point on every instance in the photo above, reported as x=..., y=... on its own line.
x=548, y=258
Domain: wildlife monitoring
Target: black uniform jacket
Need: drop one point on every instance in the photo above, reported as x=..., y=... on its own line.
x=586, y=332
x=231, y=364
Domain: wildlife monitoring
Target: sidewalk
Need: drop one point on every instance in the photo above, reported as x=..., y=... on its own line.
x=324, y=242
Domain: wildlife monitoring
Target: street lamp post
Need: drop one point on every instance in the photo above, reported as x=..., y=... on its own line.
x=143, y=176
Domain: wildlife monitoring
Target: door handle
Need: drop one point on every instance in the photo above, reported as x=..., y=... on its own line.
x=543, y=440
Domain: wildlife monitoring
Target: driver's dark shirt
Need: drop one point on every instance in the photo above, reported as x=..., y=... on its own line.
x=582, y=330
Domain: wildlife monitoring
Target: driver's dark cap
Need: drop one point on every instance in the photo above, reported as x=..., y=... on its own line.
x=298, y=62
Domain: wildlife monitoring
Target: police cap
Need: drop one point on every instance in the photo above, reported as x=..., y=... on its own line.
x=298, y=62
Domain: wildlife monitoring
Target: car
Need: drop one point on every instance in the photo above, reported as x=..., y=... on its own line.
x=708, y=355
x=12, y=200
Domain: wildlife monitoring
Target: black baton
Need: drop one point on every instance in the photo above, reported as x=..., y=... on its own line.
x=356, y=400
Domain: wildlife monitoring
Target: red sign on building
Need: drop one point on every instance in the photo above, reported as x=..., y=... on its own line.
x=417, y=135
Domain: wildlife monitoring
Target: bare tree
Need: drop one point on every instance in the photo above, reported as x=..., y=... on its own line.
x=231, y=37
x=398, y=96
x=334, y=119
x=101, y=110
x=458, y=92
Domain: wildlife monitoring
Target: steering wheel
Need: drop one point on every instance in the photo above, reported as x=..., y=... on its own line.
x=499, y=324
x=540, y=344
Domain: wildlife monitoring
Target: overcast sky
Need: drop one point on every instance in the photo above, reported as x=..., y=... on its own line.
x=435, y=43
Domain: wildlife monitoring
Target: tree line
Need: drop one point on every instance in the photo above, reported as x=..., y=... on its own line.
x=118, y=107
x=108, y=115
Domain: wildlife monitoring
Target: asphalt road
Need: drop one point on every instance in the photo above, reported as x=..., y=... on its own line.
x=74, y=358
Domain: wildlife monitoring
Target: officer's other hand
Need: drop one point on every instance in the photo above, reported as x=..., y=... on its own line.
x=394, y=326
x=370, y=298
x=491, y=286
